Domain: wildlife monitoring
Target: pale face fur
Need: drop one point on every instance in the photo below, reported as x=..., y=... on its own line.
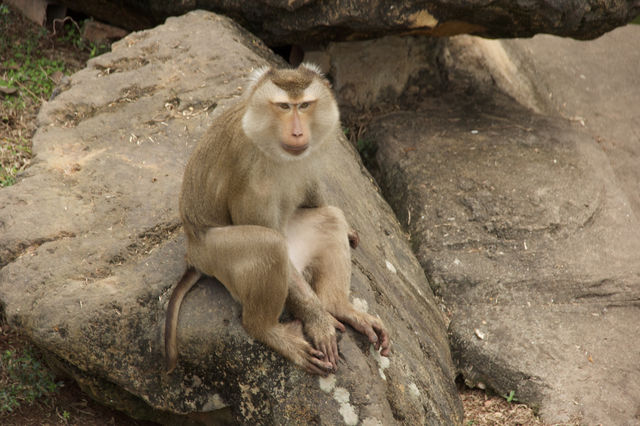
x=290, y=113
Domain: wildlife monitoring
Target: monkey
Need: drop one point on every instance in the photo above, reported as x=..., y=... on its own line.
x=256, y=219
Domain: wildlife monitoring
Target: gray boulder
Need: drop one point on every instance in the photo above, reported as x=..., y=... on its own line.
x=91, y=246
x=302, y=22
x=527, y=223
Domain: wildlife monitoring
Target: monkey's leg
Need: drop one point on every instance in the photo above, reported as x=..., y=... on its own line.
x=252, y=263
x=302, y=301
x=331, y=267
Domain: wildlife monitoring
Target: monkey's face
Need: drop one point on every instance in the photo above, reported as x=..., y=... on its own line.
x=293, y=118
x=290, y=113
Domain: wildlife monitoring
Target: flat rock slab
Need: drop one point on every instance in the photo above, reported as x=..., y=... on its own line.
x=523, y=229
x=595, y=84
x=309, y=22
x=91, y=245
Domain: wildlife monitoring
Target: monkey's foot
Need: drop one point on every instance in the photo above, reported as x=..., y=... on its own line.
x=322, y=332
x=370, y=326
x=300, y=352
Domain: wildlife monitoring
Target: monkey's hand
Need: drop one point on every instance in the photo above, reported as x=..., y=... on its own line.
x=302, y=353
x=370, y=326
x=321, y=330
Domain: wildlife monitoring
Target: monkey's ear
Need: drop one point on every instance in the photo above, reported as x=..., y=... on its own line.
x=257, y=74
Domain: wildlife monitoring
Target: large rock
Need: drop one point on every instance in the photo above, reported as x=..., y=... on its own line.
x=527, y=222
x=90, y=247
x=280, y=22
x=401, y=64
x=595, y=84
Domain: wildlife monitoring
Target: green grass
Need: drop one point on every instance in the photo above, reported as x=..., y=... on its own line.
x=7, y=176
x=367, y=149
x=72, y=35
x=637, y=20
x=14, y=157
x=24, y=68
x=30, y=74
x=32, y=61
x=511, y=397
x=24, y=380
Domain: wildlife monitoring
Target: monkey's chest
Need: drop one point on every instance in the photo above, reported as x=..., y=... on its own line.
x=267, y=203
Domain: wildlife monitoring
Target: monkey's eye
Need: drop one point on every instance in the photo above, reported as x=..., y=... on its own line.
x=283, y=105
x=304, y=105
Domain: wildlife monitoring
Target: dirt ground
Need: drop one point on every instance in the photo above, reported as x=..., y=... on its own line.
x=18, y=110
x=69, y=399
x=32, y=61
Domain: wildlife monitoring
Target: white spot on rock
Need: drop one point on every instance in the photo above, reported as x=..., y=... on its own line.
x=347, y=410
x=371, y=421
x=214, y=402
x=413, y=390
x=327, y=383
x=457, y=262
x=383, y=361
x=341, y=395
x=391, y=267
x=348, y=414
x=196, y=381
x=360, y=304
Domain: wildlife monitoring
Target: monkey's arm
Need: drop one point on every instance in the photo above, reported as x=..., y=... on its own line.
x=319, y=325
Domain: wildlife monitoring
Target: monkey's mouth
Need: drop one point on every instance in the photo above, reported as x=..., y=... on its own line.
x=295, y=149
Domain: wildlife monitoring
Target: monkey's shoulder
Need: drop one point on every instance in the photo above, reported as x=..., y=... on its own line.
x=224, y=129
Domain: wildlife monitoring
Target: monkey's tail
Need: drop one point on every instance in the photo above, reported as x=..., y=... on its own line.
x=189, y=278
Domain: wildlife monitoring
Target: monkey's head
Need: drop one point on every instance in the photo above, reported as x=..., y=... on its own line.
x=290, y=112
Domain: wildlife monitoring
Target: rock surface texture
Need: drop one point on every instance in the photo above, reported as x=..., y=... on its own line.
x=528, y=223
x=91, y=246
x=281, y=22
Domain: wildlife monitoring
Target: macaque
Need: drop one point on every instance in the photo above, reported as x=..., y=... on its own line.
x=255, y=219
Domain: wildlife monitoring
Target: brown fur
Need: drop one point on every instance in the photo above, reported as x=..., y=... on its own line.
x=293, y=81
x=255, y=219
